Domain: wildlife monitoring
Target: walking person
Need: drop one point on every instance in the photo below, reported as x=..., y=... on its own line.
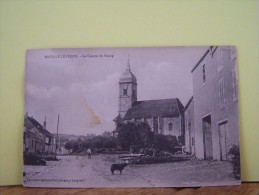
x=89, y=152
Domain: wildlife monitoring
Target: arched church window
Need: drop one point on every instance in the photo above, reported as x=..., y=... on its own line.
x=170, y=126
x=125, y=90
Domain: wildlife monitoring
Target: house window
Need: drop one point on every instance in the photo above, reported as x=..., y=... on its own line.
x=203, y=73
x=170, y=126
x=46, y=140
x=221, y=92
x=125, y=90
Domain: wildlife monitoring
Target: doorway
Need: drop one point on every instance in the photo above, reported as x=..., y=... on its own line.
x=207, y=137
x=223, y=140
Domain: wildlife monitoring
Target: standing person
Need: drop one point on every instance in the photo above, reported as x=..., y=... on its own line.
x=89, y=153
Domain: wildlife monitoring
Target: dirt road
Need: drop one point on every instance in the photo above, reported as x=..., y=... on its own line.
x=79, y=171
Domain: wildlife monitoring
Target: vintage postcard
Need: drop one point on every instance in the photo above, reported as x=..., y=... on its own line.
x=131, y=117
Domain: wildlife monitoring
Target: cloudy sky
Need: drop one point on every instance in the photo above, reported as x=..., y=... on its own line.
x=81, y=85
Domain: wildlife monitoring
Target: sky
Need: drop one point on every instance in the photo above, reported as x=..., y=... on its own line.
x=82, y=85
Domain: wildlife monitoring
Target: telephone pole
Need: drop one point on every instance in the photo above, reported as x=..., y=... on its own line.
x=57, y=137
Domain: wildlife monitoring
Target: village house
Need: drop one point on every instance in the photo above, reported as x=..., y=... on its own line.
x=37, y=139
x=215, y=104
x=164, y=116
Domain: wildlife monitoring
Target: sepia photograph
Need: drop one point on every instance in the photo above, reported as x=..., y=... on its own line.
x=131, y=117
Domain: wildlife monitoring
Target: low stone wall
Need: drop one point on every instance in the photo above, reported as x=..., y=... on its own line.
x=159, y=159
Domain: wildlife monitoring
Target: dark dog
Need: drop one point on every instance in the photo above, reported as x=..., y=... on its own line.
x=118, y=167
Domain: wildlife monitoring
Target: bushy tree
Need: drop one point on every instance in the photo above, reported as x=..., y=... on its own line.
x=134, y=134
x=110, y=142
x=181, y=140
x=165, y=142
x=139, y=135
x=73, y=144
x=125, y=134
x=93, y=141
x=107, y=134
x=234, y=158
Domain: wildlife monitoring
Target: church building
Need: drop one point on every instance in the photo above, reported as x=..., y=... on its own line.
x=164, y=116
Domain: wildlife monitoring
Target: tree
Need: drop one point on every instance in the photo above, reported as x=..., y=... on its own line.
x=181, y=140
x=165, y=142
x=144, y=137
x=97, y=142
x=134, y=134
x=234, y=158
x=110, y=142
x=107, y=134
x=73, y=144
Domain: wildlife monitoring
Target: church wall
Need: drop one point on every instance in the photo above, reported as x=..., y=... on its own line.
x=176, y=126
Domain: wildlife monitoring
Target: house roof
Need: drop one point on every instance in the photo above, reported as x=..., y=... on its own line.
x=198, y=63
x=188, y=103
x=155, y=108
x=39, y=126
x=211, y=49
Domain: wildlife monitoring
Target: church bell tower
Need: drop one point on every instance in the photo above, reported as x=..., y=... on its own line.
x=127, y=91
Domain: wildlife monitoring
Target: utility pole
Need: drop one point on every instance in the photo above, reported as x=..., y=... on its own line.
x=57, y=137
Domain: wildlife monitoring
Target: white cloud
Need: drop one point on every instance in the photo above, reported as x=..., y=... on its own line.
x=42, y=92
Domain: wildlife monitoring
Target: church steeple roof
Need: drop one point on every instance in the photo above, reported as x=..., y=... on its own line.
x=128, y=65
x=128, y=76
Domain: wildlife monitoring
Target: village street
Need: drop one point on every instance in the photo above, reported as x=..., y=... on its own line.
x=78, y=171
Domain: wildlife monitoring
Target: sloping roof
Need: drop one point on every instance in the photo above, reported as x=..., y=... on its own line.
x=155, y=108
x=211, y=49
x=188, y=103
x=39, y=126
x=200, y=60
